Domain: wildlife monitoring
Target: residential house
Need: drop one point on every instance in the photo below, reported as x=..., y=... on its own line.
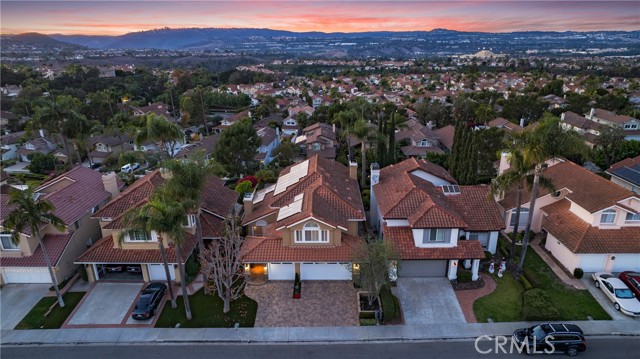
x=433, y=222
x=630, y=125
x=76, y=195
x=199, y=149
x=270, y=140
x=157, y=108
x=290, y=126
x=41, y=144
x=445, y=136
x=504, y=124
x=308, y=223
x=11, y=90
x=626, y=173
x=138, y=250
x=10, y=145
x=225, y=123
x=318, y=139
x=421, y=140
x=5, y=117
x=104, y=146
x=591, y=223
x=590, y=130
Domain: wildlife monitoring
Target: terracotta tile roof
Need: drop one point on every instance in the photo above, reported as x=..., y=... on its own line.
x=446, y=136
x=478, y=211
x=270, y=249
x=402, y=238
x=205, y=145
x=139, y=192
x=212, y=226
x=55, y=245
x=217, y=198
x=329, y=194
x=580, y=237
x=419, y=150
x=504, y=123
x=103, y=251
x=319, y=132
x=587, y=189
x=328, y=152
x=84, y=191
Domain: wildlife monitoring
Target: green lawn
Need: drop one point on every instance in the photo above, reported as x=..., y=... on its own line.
x=35, y=319
x=207, y=313
x=505, y=303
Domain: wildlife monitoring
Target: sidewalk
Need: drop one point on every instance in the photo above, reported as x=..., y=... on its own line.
x=294, y=335
x=574, y=282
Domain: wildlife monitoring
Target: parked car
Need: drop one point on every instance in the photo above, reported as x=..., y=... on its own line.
x=622, y=297
x=150, y=299
x=112, y=268
x=632, y=280
x=128, y=168
x=552, y=338
x=134, y=269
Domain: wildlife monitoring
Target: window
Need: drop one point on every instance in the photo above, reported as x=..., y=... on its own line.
x=189, y=220
x=137, y=236
x=311, y=233
x=608, y=216
x=436, y=235
x=7, y=243
x=424, y=143
x=633, y=217
x=316, y=146
x=630, y=126
x=522, y=221
x=95, y=209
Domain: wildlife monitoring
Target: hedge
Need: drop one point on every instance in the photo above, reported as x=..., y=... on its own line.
x=537, y=306
x=464, y=276
x=389, y=306
x=533, y=278
x=367, y=315
x=525, y=283
x=578, y=273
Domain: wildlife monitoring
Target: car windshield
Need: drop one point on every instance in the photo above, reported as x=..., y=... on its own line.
x=624, y=293
x=538, y=333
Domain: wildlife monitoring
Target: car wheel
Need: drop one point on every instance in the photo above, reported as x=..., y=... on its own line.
x=597, y=284
x=572, y=351
x=617, y=306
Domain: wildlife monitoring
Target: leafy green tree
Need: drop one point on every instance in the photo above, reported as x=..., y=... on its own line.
x=375, y=259
x=243, y=187
x=237, y=147
x=285, y=153
x=464, y=109
x=463, y=162
x=62, y=116
x=41, y=163
x=159, y=130
x=28, y=213
x=609, y=143
x=578, y=103
x=488, y=143
x=434, y=112
x=484, y=113
x=529, y=108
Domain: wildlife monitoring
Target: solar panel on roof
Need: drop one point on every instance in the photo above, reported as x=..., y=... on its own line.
x=295, y=174
x=292, y=208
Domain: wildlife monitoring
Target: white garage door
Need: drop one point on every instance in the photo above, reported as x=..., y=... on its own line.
x=27, y=277
x=156, y=272
x=281, y=271
x=325, y=271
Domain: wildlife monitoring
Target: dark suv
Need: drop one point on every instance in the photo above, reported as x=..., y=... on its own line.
x=552, y=338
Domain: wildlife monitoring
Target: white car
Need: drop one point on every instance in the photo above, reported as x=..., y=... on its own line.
x=622, y=297
x=130, y=167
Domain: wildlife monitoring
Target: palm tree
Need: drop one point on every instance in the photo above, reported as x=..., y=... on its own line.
x=29, y=213
x=158, y=129
x=546, y=141
x=61, y=115
x=362, y=132
x=154, y=216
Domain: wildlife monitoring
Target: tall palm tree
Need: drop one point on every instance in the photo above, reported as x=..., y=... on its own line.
x=60, y=115
x=154, y=216
x=362, y=132
x=159, y=130
x=29, y=213
x=546, y=141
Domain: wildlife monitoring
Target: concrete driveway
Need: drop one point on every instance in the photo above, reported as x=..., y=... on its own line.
x=106, y=303
x=428, y=301
x=16, y=300
x=603, y=300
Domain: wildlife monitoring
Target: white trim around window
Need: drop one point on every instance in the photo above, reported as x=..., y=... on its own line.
x=633, y=217
x=138, y=236
x=311, y=233
x=7, y=243
x=608, y=216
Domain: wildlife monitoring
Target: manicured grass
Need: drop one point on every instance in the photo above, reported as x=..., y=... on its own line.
x=36, y=319
x=206, y=312
x=504, y=304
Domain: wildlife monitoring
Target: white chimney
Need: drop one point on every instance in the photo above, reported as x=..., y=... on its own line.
x=334, y=128
x=522, y=122
x=562, y=117
x=504, y=162
x=592, y=113
x=110, y=183
x=375, y=174
x=247, y=201
x=353, y=170
x=41, y=131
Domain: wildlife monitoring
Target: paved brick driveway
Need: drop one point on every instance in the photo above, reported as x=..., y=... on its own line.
x=323, y=304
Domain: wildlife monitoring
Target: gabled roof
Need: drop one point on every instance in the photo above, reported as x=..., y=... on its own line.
x=446, y=136
x=103, y=251
x=402, y=239
x=587, y=189
x=610, y=116
x=580, y=237
x=270, y=249
x=627, y=169
x=319, y=132
x=578, y=121
x=139, y=192
x=217, y=198
x=55, y=245
x=328, y=192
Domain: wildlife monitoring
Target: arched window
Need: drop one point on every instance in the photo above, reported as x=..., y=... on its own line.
x=608, y=216
x=310, y=233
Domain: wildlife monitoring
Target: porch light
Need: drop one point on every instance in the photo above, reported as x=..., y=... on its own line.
x=356, y=266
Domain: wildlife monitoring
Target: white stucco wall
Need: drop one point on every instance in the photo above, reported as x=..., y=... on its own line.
x=568, y=259
x=418, y=234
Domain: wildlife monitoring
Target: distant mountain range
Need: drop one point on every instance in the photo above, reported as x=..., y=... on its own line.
x=362, y=44
x=38, y=40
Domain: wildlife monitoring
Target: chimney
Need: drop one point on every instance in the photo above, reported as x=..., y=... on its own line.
x=504, y=162
x=562, y=117
x=375, y=174
x=110, y=183
x=334, y=128
x=248, y=203
x=41, y=131
x=522, y=122
x=353, y=170
x=592, y=113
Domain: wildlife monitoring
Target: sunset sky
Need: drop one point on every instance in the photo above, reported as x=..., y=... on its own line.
x=119, y=17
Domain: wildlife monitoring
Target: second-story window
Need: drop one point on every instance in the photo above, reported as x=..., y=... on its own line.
x=189, y=220
x=608, y=216
x=311, y=233
x=633, y=217
x=7, y=243
x=137, y=236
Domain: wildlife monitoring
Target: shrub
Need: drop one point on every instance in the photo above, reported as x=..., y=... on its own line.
x=533, y=278
x=537, y=306
x=82, y=272
x=192, y=267
x=488, y=256
x=464, y=276
x=389, y=309
x=252, y=179
x=266, y=176
x=367, y=315
x=578, y=273
x=525, y=283
x=243, y=187
x=367, y=322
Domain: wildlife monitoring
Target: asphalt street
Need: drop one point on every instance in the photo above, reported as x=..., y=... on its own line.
x=603, y=347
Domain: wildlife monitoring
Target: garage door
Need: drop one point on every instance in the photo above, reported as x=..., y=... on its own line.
x=325, y=271
x=156, y=272
x=281, y=271
x=27, y=277
x=418, y=268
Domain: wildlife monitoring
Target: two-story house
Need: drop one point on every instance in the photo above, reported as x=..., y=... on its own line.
x=421, y=140
x=270, y=140
x=307, y=223
x=433, y=222
x=590, y=130
x=10, y=145
x=40, y=145
x=104, y=146
x=140, y=251
x=630, y=126
x=199, y=149
x=290, y=126
x=591, y=223
x=318, y=139
x=626, y=173
x=76, y=196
